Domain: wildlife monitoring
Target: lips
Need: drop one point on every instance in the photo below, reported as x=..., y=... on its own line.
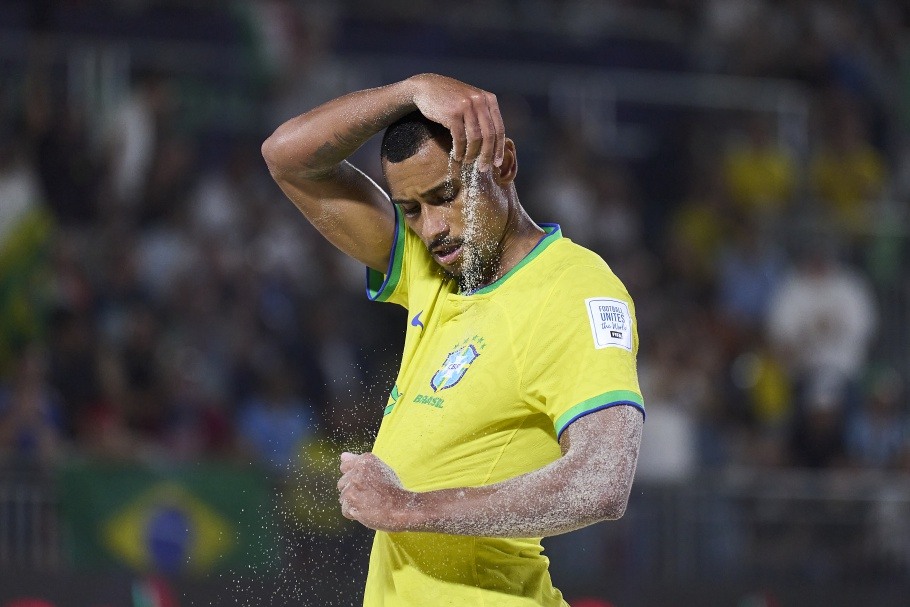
x=446, y=253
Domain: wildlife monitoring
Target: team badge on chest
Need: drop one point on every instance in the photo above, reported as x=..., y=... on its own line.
x=457, y=364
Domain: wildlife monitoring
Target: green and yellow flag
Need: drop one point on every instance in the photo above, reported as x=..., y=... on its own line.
x=194, y=520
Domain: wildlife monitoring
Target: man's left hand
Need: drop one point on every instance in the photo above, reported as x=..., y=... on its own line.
x=371, y=493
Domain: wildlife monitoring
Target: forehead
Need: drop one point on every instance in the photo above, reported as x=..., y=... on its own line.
x=422, y=171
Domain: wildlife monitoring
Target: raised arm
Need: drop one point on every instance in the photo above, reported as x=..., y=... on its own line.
x=307, y=155
x=589, y=483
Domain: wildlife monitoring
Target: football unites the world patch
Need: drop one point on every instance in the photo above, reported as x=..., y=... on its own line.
x=611, y=322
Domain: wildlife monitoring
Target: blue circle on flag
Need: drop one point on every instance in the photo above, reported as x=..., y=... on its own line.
x=168, y=536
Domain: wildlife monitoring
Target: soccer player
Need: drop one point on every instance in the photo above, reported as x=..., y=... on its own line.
x=516, y=413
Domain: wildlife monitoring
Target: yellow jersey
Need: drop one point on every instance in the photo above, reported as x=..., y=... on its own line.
x=488, y=382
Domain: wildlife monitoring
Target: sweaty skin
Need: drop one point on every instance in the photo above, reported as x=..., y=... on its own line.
x=307, y=158
x=588, y=484
x=435, y=205
x=307, y=155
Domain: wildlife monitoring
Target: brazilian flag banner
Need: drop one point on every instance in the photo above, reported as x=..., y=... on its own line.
x=191, y=520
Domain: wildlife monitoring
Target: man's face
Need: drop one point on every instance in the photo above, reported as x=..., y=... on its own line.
x=460, y=222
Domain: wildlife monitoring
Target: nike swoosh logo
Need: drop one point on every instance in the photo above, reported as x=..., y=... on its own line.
x=416, y=320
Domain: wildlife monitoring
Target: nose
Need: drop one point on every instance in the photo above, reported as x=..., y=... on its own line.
x=435, y=223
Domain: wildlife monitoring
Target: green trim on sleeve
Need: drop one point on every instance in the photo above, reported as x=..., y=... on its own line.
x=605, y=400
x=381, y=286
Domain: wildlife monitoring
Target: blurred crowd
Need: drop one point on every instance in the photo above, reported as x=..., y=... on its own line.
x=160, y=299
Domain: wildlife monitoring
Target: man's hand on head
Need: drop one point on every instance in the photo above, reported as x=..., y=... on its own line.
x=471, y=114
x=371, y=493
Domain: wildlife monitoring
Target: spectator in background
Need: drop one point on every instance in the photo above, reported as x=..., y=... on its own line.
x=166, y=252
x=196, y=420
x=685, y=425
x=130, y=136
x=760, y=173
x=761, y=399
x=172, y=174
x=698, y=230
x=72, y=287
x=760, y=395
x=821, y=322
x=69, y=176
x=848, y=175
x=199, y=210
x=295, y=39
x=145, y=398
x=275, y=422
x=311, y=491
x=25, y=240
x=30, y=412
x=618, y=219
x=122, y=294
x=20, y=190
x=225, y=197
x=878, y=436
x=818, y=431
x=309, y=500
x=734, y=34
x=566, y=183
x=74, y=366
x=748, y=270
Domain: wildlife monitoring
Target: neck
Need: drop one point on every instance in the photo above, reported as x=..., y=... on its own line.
x=520, y=236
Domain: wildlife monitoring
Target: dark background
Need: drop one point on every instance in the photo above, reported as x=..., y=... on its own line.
x=742, y=166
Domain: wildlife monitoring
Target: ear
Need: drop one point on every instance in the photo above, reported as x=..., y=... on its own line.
x=506, y=172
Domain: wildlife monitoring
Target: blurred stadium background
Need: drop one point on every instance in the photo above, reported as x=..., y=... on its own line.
x=182, y=357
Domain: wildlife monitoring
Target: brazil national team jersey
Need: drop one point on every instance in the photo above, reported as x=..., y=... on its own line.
x=487, y=384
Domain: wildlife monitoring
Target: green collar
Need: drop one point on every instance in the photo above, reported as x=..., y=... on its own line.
x=552, y=233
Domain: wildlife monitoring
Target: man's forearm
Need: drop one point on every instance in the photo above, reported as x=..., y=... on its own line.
x=313, y=144
x=546, y=502
x=588, y=484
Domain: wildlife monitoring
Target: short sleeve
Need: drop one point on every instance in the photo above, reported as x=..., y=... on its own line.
x=412, y=271
x=392, y=286
x=581, y=356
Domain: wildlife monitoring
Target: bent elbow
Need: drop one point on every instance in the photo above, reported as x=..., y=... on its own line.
x=612, y=506
x=617, y=509
x=287, y=162
x=269, y=152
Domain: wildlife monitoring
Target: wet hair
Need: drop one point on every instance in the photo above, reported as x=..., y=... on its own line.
x=406, y=135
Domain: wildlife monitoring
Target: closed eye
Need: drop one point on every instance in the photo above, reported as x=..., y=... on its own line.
x=449, y=194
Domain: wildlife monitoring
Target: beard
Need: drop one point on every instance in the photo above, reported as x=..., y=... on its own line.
x=480, y=262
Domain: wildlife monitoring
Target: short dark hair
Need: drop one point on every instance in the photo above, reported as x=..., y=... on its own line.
x=404, y=137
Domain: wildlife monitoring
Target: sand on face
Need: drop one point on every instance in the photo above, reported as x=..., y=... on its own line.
x=474, y=272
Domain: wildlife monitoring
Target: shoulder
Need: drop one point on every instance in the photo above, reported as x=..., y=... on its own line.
x=575, y=271
x=581, y=294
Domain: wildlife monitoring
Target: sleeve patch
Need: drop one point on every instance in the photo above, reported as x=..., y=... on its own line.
x=611, y=323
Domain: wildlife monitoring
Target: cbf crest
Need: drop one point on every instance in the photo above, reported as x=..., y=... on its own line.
x=457, y=363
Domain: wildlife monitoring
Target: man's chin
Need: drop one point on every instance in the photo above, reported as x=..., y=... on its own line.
x=450, y=272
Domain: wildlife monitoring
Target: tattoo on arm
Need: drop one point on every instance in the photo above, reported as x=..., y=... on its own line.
x=323, y=161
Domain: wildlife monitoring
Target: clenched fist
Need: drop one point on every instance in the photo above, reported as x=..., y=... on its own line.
x=372, y=494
